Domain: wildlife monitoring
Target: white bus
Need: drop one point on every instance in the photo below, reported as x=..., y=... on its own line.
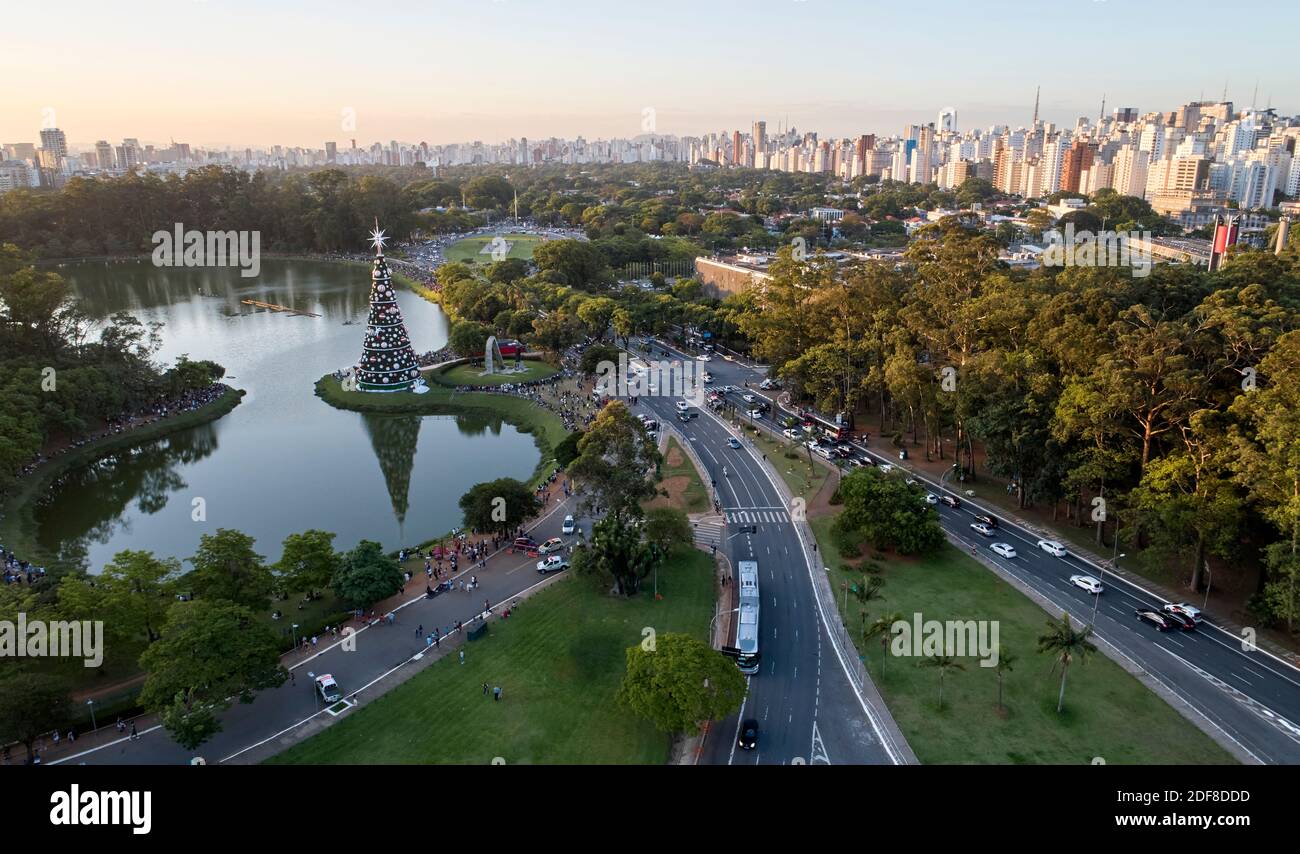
x=747, y=625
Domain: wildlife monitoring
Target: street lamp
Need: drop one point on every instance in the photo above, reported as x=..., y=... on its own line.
x=295, y=635
x=93, y=726
x=1097, y=597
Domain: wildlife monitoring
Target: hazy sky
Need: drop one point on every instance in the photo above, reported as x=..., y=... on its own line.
x=239, y=72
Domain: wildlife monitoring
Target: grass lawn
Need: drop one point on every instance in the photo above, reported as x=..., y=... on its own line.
x=1108, y=713
x=472, y=374
x=686, y=491
x=559, y=660
x=470, y=249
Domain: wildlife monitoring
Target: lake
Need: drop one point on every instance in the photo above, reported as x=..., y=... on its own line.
x=283, y=461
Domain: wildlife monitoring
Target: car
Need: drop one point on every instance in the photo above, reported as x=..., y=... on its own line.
x=748, y=738
x=708, y=377
x=733, y=442
x=1155, y=618
x=748, y=398
x=704, y=357
x=525, y=543
x=950, y=500
x=911, y=481
x=986, y=519
x=652, y=426
x=683, y=405
x=1184, y=608
x=857, y=462
x=1004, y=549
x=1086, y=582
x=554, y=544
x=931, y=498
x=981, y=529
x=824, y=452
x=328, y=689
x=791, y=434
x=755, y=413
x=886, y=468
x=569, y=526
x=552, y=563
x=1178, y=620
x=1052, y=547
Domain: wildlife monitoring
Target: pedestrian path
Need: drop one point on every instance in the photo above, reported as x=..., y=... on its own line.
x=710, y=531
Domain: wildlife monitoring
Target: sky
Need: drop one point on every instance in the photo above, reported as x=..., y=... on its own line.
x=238, y=72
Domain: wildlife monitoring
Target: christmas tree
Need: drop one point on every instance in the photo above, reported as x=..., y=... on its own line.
x=387, y=360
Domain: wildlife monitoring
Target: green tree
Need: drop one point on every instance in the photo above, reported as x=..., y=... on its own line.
x=888, y=512
x=666, y=528
x=943, y=664
x=616, y=556
x=1066, y=644
x=615, y=460
x=468, y=338
x=32, y=704
x=1005, y=664
x=210, y=651
x=679, y=682
x=226, y=567
x=366, y=575
x=500, y=505
x=131, y=595
x=308, y=560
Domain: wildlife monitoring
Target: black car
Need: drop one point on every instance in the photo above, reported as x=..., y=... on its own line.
x=1177, y=620
x=685, y=417
x=748, y=739
x=1155, y=618
x=950, y=500
x=986, y=519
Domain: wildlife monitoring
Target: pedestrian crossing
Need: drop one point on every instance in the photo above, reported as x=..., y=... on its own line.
x=757, y=516
x=709, y=532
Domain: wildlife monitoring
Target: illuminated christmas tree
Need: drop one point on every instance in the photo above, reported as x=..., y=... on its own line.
x=387, y=361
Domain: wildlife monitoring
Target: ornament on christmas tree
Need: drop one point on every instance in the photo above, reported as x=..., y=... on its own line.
x=387, y=361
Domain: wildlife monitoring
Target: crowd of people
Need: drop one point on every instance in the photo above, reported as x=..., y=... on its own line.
x=16, y=570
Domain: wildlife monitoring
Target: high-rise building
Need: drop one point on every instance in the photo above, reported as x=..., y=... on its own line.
x=760, y=138
x=1078, y=159
x=104, y=153
x=331, y=152
x=54, y=141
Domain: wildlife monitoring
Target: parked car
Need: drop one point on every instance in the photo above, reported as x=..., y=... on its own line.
x=552, y=563
x=1086, y=582
x=1155, y=618
x=981, y=529
x=554, y=544
x=1004, y=549
x=1052, y=547
x=1184, y=608
x=791, y=434
x=569, y=526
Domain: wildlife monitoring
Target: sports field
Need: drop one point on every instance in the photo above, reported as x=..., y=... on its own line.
x=478, y=250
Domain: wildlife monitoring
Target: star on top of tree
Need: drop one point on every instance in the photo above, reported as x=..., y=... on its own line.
x=377, y=238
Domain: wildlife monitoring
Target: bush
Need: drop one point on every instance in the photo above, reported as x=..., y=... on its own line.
x=847, y=541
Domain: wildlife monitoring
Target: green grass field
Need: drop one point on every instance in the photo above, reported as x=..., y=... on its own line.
x=559, y=660
x=1108, y=713
x=470, y=250
x=471, y=374
x=686, y=491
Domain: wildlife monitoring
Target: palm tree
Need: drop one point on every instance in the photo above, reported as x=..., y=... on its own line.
x=942, y=663
x=1066, y=643
x=866, y=592
x=1004, y=665
x=881, y=628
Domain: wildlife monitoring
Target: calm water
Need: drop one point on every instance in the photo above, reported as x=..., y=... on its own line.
x=283, y=461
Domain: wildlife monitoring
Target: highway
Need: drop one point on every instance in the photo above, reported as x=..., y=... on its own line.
x=806, y=706
x=1248, y=696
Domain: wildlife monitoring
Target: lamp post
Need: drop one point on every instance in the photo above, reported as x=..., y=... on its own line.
x=1097, y=596
x=295, y=635
x=93, y=726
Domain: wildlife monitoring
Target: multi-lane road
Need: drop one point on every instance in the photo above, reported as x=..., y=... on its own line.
x=1245, y=695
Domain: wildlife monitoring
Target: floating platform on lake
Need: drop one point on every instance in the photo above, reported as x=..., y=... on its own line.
x=273, y=307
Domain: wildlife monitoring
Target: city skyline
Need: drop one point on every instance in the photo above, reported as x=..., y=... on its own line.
x=564, y=70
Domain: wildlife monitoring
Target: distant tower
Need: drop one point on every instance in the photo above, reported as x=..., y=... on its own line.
x=1102, y=115
x=1037, y=91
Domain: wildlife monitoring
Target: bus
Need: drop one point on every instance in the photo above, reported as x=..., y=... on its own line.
x=837, y=429
x=747, y=626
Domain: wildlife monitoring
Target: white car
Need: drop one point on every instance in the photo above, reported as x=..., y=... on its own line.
x=328, y=689
x=755, y=413
x=790, y=433
x=911, y=481
x=553, y=563
x=981, y=529
x=1052, y=547
x=683, y=405
x=823, y=452
x=1184, y=609
x=554, y=544
x=708, y=377
x=1004, y=549
x=569, y=526
x=886, y=468
x=748, y=398
x=1087, y=582
x=704, y=357
x=931, y=498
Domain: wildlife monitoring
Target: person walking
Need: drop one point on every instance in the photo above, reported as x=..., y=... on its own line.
x=496, y=693
x=485, y=687
x=134, y=735
x=462, y=656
